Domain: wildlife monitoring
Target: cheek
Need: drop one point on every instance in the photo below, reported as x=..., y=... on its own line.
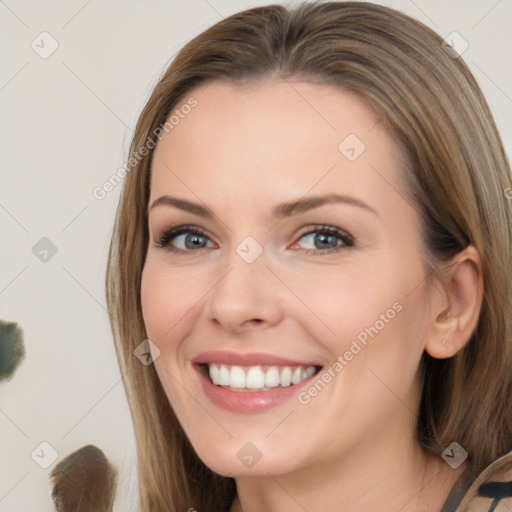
x=165, y=299
x=371, y=317
x=349, y=305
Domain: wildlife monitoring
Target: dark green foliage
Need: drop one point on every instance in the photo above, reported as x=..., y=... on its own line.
x=12, y=350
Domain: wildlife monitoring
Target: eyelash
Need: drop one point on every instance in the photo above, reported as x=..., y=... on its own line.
x=347, y=240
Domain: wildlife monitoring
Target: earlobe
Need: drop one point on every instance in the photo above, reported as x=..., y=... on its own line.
x=445, y=344
x=452, y=326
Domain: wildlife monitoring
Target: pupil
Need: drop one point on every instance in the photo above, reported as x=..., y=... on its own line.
x=325, y=239
x=193, y=241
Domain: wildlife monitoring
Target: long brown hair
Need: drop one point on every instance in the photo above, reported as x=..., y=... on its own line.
x=457, y=178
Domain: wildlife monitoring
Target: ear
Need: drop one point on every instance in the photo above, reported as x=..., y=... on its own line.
x=456, y=311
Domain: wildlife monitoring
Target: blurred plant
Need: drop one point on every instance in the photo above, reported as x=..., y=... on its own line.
x=12, y=350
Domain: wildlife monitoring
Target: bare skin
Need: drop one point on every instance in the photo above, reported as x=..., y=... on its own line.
x=351, y=446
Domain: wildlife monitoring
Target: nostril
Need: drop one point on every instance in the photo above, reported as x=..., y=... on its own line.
x=254, y=320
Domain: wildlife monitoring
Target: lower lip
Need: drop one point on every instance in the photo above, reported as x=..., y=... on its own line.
x=248, y=402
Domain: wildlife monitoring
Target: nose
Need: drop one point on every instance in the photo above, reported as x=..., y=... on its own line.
x=247, y=295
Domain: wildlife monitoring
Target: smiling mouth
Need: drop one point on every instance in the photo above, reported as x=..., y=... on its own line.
x=257, y=378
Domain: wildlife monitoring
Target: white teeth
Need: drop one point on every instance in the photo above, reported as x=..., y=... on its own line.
x=272, y=377
x=237, y=377
x=286, y=376
x=214, y=371
x=254, y=377
x=224, y=376
x=310, y=371
x=297, y=376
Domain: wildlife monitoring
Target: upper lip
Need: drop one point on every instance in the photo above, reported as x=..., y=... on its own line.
x=247, y=359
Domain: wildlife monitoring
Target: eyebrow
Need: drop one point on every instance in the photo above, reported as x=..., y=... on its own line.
x=279, y=211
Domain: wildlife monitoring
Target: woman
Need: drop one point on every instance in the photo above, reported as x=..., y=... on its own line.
x=311, y=262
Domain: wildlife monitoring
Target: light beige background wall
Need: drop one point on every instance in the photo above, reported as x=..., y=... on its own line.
x=66, y=122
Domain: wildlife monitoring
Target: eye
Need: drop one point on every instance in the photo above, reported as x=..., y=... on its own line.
x=322, y=240
x=183, y=239
x=326, y=240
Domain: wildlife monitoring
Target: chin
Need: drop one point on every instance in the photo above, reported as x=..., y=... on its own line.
x=245, y=452
x=248, y=460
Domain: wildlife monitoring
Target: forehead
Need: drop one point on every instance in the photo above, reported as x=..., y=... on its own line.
x=274, y=136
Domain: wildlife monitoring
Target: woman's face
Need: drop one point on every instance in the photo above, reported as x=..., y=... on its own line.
x=298, y=253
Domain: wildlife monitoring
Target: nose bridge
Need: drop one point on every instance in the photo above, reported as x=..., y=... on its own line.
x=247, y=289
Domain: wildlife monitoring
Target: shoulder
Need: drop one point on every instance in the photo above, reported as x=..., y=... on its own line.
x=488, y=491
